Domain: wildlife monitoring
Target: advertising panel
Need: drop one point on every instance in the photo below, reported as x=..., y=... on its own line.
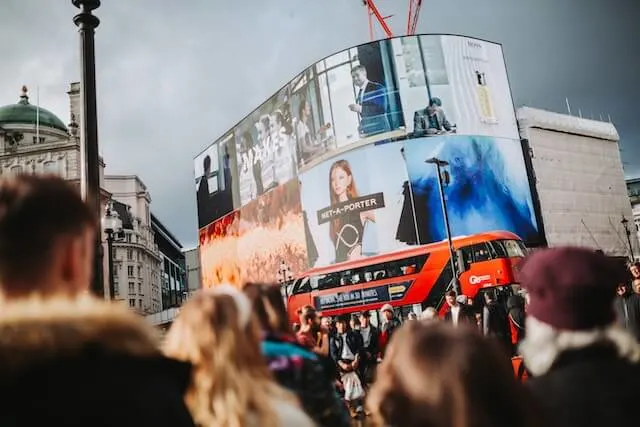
x=216, y=187
x=251, y=244
x=219, y=251
x=488, y=187
x=353, y=207
x=265, y=144
x=332, y=167
x=454, y=84
x=272, y=233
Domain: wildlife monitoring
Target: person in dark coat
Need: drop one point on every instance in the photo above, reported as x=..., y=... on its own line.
x=458, y=313
x=370, y=348
x=627, y=306
x=584, y=365
x=67, y=358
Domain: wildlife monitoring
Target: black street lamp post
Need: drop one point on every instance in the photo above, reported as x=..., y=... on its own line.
x=625, y=223
x=439, y=165
x=285, y=277
x=90, y=181
x=112, y=226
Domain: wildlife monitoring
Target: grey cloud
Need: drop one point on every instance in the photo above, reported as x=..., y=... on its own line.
x=174, y=75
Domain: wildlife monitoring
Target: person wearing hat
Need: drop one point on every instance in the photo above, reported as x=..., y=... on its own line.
x=584, y=365
x=389, y=325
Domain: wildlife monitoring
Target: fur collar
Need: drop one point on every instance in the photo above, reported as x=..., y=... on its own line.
x=38, y=330
x=544, y=344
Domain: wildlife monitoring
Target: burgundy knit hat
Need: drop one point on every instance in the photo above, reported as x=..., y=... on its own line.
x=571, y=288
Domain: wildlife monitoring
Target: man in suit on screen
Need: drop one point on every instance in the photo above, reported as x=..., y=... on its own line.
x=371, y=103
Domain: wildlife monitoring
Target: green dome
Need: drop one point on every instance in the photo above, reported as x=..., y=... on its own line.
x=25, y=114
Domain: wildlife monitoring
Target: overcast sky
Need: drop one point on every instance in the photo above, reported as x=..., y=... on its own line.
x=173, y=76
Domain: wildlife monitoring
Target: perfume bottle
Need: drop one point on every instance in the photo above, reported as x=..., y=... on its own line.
x=485, y=102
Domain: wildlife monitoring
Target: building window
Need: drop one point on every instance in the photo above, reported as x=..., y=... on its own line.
x=128, y=238
x=50, y=167
x=130, y=270
x=140, y=288
x=139, y=303
x=132, y=288
x=130, y=256
x=116, y=289
x=132, y=303
x=17, y=170
x=139, y=272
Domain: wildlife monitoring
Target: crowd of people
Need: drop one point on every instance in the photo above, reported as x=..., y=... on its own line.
x=231, y=359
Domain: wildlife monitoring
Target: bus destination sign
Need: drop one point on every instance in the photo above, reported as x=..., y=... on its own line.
x=358, y=297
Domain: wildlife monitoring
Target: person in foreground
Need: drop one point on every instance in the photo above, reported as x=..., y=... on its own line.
x=66, y=358
x=294, y=367
x=438, y=375
x=585, y=366
x=231, y=384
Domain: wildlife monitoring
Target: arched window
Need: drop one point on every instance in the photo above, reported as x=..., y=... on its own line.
x=50, y=167
x=17, y=170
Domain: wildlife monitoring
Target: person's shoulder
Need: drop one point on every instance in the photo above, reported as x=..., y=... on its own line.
x=288, y=349
x=290, y=415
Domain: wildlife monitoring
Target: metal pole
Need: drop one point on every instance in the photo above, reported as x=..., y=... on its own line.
x=90, y=180
x=112, y=282
x=633, y=258
x=445, y=214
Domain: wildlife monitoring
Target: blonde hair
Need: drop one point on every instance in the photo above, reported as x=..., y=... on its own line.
x=230, y=380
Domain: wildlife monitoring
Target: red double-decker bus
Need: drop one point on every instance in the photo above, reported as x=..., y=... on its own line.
x=410, y=280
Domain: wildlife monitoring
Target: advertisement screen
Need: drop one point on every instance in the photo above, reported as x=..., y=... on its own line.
x=253, y=243
x=454, y=85
x=216, y=187
x=488, y=187
x=265, y=146
x=332, y=168
x=354, y=210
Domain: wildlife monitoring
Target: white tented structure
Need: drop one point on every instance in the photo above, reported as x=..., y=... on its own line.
x=580, y=182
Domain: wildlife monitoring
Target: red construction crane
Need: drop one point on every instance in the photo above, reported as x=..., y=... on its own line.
x=373, y=11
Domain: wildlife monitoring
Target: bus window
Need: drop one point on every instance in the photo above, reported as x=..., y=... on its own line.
x=480, y=252
x=500, y=250
x=513, y=248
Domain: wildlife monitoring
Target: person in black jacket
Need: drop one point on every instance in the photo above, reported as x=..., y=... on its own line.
x=627, y=306
x=67, y=358
x=585, y=367
x=345, y=347
x=370, y=348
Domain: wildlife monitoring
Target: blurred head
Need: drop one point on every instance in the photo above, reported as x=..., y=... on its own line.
x=436, y=375
x=47, y=238
x=365, y=319
x=387, y=311
x=430, y=313
x=451, y=298
x=268, y=307
x=342, y=324
x=325, y=323
x=308, y=316
x=206, y=165
x=217, y=333
x=634, y=269
x=621, y=289
x=359, y=75
x=341, y=182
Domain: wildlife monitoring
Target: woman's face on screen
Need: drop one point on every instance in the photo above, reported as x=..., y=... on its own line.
x=340, y=182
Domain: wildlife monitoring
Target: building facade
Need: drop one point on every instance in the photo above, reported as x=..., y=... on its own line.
x=136, y=258
x=192, y=261
x=579, y=180
x=633, y=189
x=34, y=140
x=173, y=286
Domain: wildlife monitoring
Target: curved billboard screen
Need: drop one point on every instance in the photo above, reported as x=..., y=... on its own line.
x=332, y=167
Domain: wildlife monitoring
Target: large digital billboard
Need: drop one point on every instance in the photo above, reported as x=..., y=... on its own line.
x=335, y=160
